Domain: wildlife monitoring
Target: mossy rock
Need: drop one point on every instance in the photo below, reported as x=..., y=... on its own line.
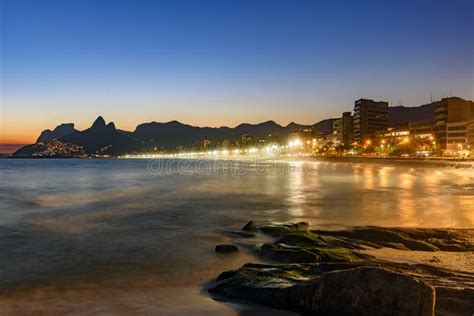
x=302, y=239
x=287, y=254
x=281, y=230
x=383, y=237
x=275, y=231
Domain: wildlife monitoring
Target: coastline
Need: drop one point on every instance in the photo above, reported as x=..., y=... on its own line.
x=433, y=162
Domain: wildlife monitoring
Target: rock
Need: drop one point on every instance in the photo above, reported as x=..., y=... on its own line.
x=307, y=247
x=299, y=226
x=226, y=248
x=241, y=234
x=408, y=238
x=258, y=283
x=365, y=291
x=384, y=237
x=323, y=273
x=281, y=230
x=275, y=231
x=250, y=226
x=287, y=254
x=329, y=289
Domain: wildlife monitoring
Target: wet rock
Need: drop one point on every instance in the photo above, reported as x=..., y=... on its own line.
x=275, y=230
x=323, y=273
x=226, y=248
x=307, y=247
x=314, y=289
x=408, y=238
x=383, y=237
x=281, y=230
x=259, y=283
x=287, y=254
x=299, y=226
x=250, y=226
x=365, y=291
x=243, y=234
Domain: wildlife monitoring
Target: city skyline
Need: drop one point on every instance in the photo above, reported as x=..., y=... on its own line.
x=444, y=128
x=135, y=62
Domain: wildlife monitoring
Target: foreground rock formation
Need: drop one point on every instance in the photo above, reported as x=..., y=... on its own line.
x=323, y=273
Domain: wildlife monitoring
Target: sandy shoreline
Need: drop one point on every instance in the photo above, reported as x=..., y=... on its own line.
x=459, y=261
x=429, y=162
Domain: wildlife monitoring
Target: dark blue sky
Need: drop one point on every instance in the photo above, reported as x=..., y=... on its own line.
x=224, y=62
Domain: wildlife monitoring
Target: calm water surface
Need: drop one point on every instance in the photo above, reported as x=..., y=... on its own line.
x=110, y=237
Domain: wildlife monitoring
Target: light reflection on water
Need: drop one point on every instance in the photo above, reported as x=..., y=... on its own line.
x=76, y=231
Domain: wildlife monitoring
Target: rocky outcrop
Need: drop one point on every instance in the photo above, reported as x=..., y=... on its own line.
x=304, y=247
x=407, y=238
x=323, y=273
x=250, y=226
x=366, y=291
x=226, y=248
x=329, y=289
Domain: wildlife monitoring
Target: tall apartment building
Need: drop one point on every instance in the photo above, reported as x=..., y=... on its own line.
x=343, y=129
x=450, y=113
x=369, y=117
x=347, y=129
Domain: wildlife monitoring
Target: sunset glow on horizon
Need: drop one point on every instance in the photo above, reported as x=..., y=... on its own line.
x=214, y=63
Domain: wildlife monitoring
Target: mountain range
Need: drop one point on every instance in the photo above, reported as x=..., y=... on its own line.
x=106, y=139
x=402, y=114
x=102, y=138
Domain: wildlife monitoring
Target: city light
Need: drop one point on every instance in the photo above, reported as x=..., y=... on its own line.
x=296, y=143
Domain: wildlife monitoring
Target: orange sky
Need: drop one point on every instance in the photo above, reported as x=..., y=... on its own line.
x=21, y=130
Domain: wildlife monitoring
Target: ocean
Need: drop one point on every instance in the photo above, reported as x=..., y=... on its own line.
x=137, y=236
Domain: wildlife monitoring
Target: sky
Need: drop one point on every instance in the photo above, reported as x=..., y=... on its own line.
x=223, y=62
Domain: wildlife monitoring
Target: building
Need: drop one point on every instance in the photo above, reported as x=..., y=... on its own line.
x=448, y=112
x=336, y=136
x=347, y=129
x=394, y=135
x=470, y=135
x=456, y=137
x=343, y=130
x=369, y=117
x=421, y=130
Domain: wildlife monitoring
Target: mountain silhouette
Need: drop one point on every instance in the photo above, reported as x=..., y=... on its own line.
x=402, y=114
x=103, y=139
x=60, y=131
x=106, y=139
